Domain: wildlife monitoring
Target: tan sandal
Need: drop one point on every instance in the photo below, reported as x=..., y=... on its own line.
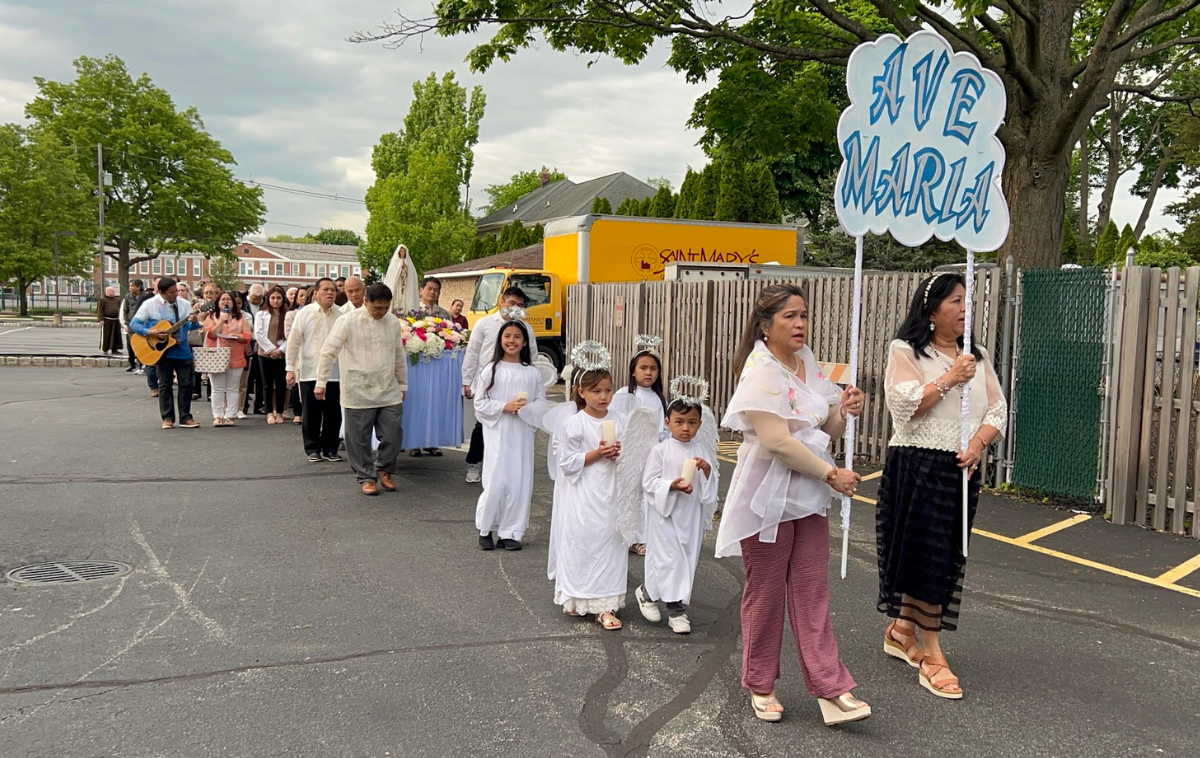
x=903, y=645
x=843, y=709
x=609, y=621
x=948, y=687
x=638, y=548
x=762, y=705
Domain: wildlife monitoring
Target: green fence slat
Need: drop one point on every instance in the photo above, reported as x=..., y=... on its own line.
x=1058, y=381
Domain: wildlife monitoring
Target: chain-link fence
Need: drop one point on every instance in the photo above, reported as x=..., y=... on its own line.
x=1057, y=390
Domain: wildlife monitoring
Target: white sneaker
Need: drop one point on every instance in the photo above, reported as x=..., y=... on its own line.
x=680, y=624
x=241, y=415
x=474, y=472
x=648, y=607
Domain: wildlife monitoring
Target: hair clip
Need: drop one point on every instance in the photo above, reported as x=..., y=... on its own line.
x=647, y=343
x=689, y=389
x=590, y=355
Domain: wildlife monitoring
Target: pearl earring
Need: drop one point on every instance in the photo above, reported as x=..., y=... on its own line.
x=931, y=326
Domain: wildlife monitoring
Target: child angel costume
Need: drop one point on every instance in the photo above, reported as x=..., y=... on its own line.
x=503, y=507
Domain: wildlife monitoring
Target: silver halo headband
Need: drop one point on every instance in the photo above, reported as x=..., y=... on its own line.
x=647, y=343
x=590, y=355
x=929, y=286
x=689, y=389
x=513, y=313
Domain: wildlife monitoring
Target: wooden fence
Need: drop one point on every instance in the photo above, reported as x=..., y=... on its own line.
x=701, y=323
x=1154, y=452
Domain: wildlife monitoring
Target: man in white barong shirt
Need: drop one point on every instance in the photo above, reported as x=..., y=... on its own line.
x=481, y=346
x=322, y=416
x=367, y=346
x=356, y=293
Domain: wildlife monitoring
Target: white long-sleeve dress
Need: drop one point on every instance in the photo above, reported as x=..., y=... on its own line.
x=503, y=506
x=649, y=399
x=675, y=521
x=588, y=561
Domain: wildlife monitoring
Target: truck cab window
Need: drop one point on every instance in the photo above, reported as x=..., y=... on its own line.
x=487, y=292
x=535, y=286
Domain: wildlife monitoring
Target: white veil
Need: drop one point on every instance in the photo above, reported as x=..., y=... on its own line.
x=401, y=279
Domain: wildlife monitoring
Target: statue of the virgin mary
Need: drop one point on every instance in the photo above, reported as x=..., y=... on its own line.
x=401, y=278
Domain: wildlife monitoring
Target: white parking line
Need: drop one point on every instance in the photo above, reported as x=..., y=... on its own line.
x=11, y=331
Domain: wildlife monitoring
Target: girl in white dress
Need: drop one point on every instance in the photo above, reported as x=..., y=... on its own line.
x=509, y=401
x=589, y=561
x=645, y=384
x=680, y=482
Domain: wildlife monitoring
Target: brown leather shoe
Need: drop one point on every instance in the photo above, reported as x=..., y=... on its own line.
x=386, y=481
x=369, y=488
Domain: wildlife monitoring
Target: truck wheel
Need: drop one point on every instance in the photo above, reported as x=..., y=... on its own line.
x=552, y=351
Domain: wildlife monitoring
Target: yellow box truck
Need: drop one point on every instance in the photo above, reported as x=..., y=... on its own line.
x=601, y=249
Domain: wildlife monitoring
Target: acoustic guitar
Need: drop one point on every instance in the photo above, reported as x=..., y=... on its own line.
x=149, y=349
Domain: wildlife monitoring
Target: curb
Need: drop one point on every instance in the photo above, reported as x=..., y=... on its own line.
x=65, y=324
x=44, y=361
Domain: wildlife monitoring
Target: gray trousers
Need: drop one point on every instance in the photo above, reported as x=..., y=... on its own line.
x=360, y=422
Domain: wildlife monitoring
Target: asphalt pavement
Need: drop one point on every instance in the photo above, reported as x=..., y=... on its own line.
x=272, y=610
x=50, y=340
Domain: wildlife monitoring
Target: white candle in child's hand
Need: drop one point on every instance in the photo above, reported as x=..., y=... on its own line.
x=609, y=432
x=689, y=471
x=522, y=395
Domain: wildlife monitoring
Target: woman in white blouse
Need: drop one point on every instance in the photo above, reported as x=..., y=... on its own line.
x=919, y=518
x=775, y=511
x=272, y=351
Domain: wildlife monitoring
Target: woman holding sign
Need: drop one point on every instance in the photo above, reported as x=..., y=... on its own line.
x=775, y=512
x=919, y=518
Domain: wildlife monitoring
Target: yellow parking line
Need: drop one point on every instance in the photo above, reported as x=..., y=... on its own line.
x=1155, y=581
x=1180, y=571
x=1026, y=539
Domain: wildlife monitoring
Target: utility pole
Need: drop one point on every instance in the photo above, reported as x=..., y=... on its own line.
x=100, y=199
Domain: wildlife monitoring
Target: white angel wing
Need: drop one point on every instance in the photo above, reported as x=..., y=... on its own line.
x=706, y=438
x=546, y=369
x=638, y=438
x=552, y=423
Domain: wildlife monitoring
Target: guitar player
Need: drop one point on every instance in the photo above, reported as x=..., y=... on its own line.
x=176, y=363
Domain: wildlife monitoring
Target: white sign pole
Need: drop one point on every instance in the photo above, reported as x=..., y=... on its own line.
x=966, y=397
x=851, y=421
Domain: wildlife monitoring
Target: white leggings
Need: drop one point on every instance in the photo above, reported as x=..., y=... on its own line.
x=225, y=393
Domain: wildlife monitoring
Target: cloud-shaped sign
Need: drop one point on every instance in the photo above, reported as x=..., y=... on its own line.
x=919, y=150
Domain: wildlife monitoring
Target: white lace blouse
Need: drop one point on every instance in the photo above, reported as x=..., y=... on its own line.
x=939, y=428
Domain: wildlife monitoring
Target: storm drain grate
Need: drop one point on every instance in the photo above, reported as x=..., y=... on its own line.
x=68, y=572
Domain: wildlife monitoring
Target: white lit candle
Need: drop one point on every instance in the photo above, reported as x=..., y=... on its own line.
x=522, y=395
x=609, y=432
x=689, y=471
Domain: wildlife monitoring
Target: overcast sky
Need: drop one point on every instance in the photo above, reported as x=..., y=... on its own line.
x=278, y=85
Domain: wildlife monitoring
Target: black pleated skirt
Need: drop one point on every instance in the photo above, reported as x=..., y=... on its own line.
x=918, y=527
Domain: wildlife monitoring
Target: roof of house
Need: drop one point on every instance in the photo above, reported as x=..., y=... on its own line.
x=525, y=257
x=295, y=251
x=566, y=198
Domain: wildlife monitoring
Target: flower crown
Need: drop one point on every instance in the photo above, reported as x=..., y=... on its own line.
x=513, y=313
x=647, y=343
x=590, y=355
x=688, y=389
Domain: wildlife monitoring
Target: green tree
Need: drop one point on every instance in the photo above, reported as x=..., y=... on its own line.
x=1107, y=252
x=707, y=193
x=733, y=198
x=1060, y=62
x=223, y=271
x=337, y=237
x=646, y=207
x=420, y=175
x=765, y=207
x=42, y=191
x=518, y=186
x=601, y=206
x=1070, y=252
x=536, y=235
x=307, y=239
x=687, y=194
x=628, y=207
x=663, y=205
x=1126, y=241
x=173, y=188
